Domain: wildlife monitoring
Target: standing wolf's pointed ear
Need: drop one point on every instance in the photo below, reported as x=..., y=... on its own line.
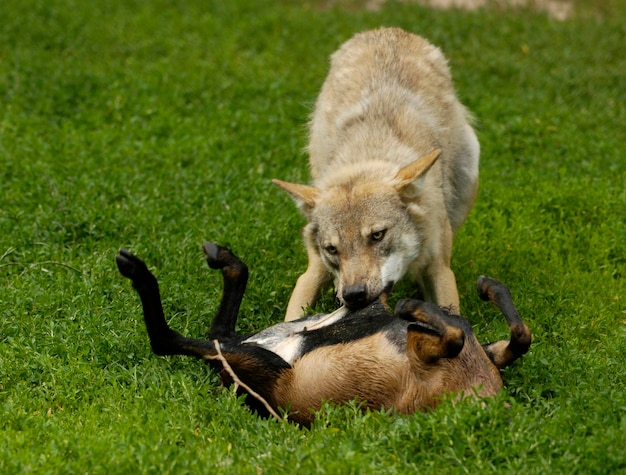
x=304, y=195
x=407, y=175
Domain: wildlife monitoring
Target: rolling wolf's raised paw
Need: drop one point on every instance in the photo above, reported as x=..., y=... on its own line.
x=489, y=289
x=483, y=284
x=436, y=334
x=217, y=256
x=130, y=265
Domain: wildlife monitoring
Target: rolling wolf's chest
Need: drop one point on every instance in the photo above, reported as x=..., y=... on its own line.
x=292, y=340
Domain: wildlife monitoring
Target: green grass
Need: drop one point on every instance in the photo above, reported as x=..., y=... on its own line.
x=157, y=125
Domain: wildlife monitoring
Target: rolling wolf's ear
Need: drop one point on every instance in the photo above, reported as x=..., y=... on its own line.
x=407, y=175
x=304, y=195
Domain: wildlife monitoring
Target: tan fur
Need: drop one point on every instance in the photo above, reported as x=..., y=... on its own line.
x=402, y=381
x=391, y=149
x=328, y=374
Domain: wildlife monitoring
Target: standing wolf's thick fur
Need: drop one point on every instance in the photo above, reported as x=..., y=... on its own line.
x=395, y=167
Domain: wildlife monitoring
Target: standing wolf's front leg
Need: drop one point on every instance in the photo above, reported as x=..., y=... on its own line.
x=445, y=293
x=438, y=285
x=437, y=278
x=309, y=285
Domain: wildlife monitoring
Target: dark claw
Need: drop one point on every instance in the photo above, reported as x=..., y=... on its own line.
x=212, y=253
x=125, y=263
x=483, y=284
x=493, y=290
x=130, y=265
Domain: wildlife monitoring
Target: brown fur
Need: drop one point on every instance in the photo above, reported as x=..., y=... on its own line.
x=404, y=382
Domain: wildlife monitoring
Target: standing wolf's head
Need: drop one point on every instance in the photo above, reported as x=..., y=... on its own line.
x=366, y=229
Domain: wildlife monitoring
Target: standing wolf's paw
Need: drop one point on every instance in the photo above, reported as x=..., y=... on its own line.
x=130, y=265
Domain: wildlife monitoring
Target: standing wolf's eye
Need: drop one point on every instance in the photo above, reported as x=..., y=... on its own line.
x=378, y=235
x=332, y=250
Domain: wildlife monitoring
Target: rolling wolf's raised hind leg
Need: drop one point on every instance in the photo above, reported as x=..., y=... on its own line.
x=432, y=334
x=163, y=339
x=259, y=369
x=235, y=274
x=504, y=352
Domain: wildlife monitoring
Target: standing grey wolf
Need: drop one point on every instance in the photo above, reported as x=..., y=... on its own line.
x=394, y=163
x=405, y=361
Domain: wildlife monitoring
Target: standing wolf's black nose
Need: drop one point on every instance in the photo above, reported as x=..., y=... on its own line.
x=355, y=296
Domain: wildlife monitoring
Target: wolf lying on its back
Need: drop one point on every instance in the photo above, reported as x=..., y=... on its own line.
x=404, y=361
x=395, y=169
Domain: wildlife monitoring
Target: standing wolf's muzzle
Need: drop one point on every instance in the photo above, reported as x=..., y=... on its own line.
x=355, y=296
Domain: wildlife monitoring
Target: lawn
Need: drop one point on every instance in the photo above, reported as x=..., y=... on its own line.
x=156, y=125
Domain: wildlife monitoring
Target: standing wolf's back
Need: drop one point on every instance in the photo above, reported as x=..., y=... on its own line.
x=389, y=71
